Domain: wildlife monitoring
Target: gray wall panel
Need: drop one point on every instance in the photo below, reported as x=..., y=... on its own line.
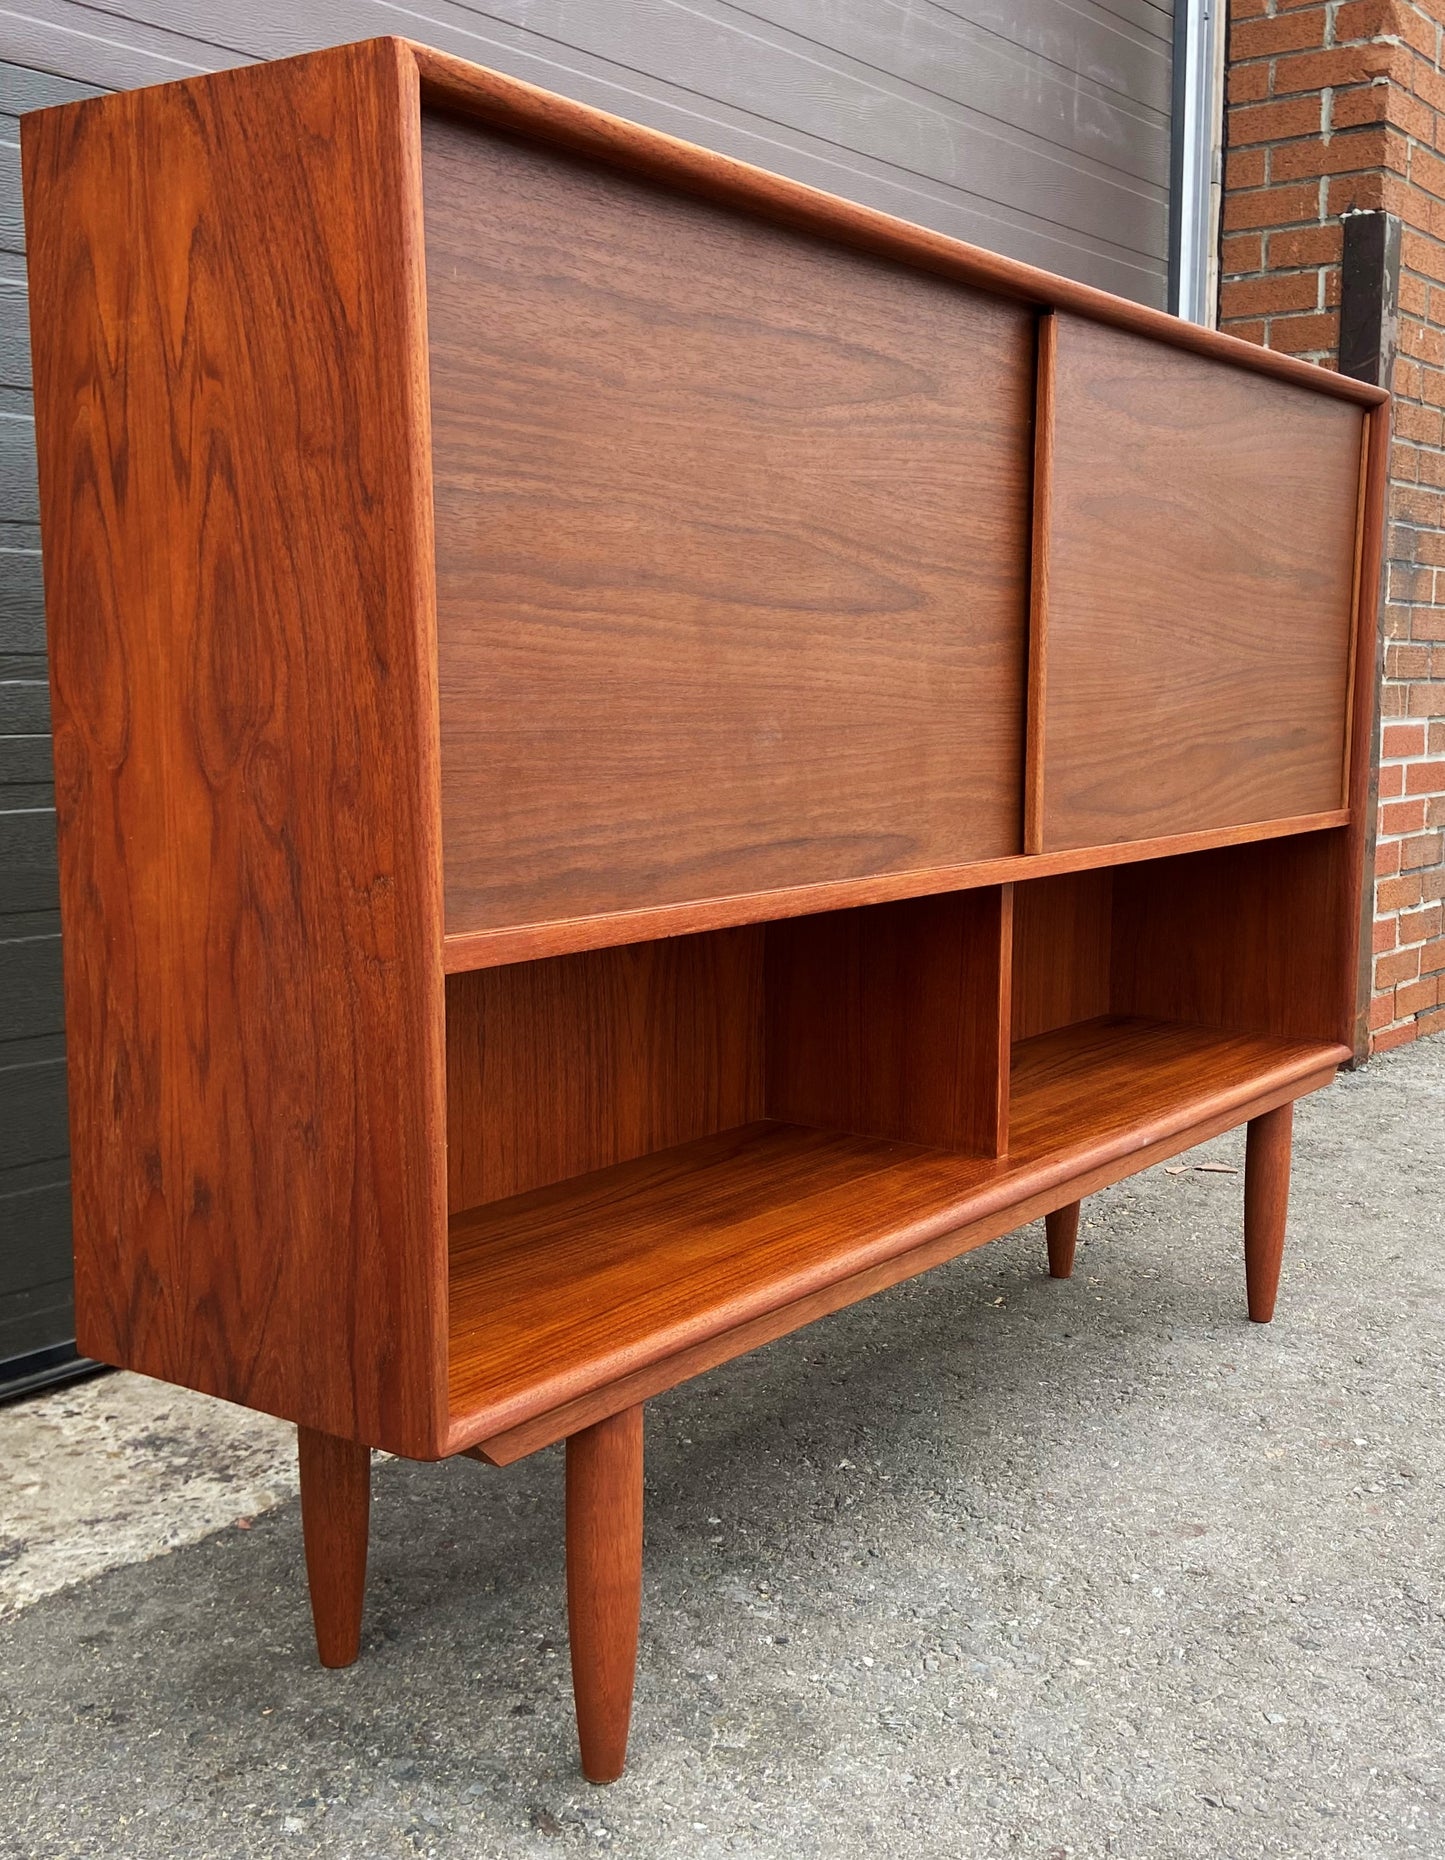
x=1038, y=128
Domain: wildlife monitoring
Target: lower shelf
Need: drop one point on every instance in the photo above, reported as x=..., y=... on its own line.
x=566, y=1289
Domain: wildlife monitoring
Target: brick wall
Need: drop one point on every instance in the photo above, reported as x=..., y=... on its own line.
x=1336, y=108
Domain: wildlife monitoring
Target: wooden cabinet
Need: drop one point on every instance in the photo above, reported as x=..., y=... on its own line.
x=641, y=753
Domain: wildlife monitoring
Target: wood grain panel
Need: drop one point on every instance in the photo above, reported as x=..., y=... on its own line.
x=1061, y=944
x=731, y=547
x=1252, y=937
x=586, y=1283
x=1201, y=569
x=893, y=1021
x=556, y=1068
x=450, y=83
x=233, y=467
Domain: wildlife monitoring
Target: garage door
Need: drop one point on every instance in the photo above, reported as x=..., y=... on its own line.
x=1037, y=128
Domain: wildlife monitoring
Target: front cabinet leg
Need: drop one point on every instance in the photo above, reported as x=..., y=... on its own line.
x=1266, y=1205
x=1062, y=1230
x=604, y=1584
x=335, y=1515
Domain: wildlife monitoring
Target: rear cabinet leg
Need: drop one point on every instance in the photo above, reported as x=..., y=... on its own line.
x=604, y=1584
x=1266, y=1204
x=1062, y=1228
x=335, y=1516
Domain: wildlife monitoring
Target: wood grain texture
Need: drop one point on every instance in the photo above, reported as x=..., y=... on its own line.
x=488, y=948
x=1266, y=1207
x=335, y=1525
x=1062, y=938
x=1200, y=587
x=452, y=84
x=731, y=548
x=666, y=1372
x=1039, y=540
x=604, y=1585
x=1061, y=1233
x=1253, y=937
x=572, y=1287
x=892, y=1021
x=557, y=1068
x=1367, y=671
x=233, y=466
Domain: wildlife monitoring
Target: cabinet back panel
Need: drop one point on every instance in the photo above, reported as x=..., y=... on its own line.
x=731, y=546
x=577, y=1062
x=1200, y=579
x=1255, y=938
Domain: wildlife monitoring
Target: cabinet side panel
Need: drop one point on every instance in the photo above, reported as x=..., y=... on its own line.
x=732, y=538
x=1201, y=573
x=229, y=377
x=570, y=1064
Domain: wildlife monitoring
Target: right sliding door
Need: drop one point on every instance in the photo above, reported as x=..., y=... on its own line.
x=1199, y=553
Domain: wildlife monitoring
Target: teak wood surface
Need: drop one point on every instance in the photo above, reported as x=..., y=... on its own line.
x=510, y=575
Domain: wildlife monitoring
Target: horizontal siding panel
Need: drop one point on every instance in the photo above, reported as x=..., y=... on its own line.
x=30, y=1001
x=33, y=1125
x=34, y=1236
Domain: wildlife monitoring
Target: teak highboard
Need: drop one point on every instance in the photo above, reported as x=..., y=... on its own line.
x=641, y=753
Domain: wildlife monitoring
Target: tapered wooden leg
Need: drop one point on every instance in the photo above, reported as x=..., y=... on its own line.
x=1062, y=1228
x=604, y=1584
x=335, y=1514
x=1266, y=1205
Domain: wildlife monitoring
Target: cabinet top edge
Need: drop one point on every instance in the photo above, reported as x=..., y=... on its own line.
x=454, y=85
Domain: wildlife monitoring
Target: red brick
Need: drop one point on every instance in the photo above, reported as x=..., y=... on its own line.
x=1241, y=252
x=1271, y=206
x=1299, y=335
x=1368, y=19
x=1427, y=623
x=1433, y=1022
x=1404, y=464
x=1419, y=926
x=1372, y=192
x=1401, y=965
x=1425, y=778
x=1416, y=997
x=1425, y=508
x=1423, y=700
x=1421, y=851
x=1422, y=341
x=1402, y=739
x=1356, y=152
x=1414, y=295
x=1383, y=937
x=1435, y=739
x=1247, y=331
x=1291, y=32
x=1398, y=893
x=1273, y=122
x=1244, y=168
x=1421, y=424
x=1291, y=290
x=1247, y=83
x=1419, y=252
x=1435, y=811
x=1392, y=781
x=1432, y=960
x=1392, y=1037
x=1402, y=817
x=1345, y=64
x=1427, y=171
x=1305, y=245
x=1382, y=1012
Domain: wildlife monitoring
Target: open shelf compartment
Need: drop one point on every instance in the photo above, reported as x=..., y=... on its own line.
x=564, y=1289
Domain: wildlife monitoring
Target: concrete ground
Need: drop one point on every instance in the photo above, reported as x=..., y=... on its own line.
x=990, y=1566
